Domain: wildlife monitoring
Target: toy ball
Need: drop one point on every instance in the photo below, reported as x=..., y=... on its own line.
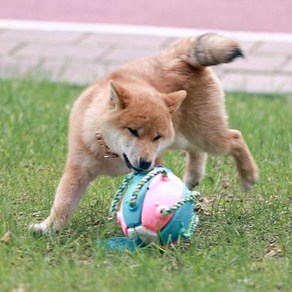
x=156, y=207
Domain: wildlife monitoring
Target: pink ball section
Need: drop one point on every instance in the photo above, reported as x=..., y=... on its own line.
x=163, y=192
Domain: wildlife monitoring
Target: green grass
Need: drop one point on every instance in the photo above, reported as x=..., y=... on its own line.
x=243, y=241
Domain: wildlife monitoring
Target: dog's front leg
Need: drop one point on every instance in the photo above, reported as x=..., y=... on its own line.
x=195, y=167
x=69, y=192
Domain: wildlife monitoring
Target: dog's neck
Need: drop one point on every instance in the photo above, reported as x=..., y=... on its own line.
x=103, y=146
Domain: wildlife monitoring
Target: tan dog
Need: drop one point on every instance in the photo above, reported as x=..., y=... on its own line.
x=169, y=100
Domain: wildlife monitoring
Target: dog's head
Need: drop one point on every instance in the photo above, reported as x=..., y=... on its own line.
x=139, y=126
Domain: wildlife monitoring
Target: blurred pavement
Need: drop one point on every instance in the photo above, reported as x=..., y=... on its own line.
x=83, y=56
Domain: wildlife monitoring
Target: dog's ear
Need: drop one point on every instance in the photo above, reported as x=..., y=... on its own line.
x=118, y=95
x=174, y=100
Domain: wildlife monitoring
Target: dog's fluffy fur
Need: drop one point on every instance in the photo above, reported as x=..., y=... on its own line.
x=172, y=100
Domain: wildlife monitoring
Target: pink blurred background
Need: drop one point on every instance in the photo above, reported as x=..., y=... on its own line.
x=243, y=15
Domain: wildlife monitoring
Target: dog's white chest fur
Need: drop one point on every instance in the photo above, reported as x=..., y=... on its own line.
x=181, y=142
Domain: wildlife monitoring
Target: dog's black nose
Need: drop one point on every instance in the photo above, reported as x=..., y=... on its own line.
x=144, y=164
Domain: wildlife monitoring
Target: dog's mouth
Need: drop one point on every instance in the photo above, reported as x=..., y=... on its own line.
x=130, y=166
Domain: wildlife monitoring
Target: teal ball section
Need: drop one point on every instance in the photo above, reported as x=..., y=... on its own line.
x=179, y=223
x=132, y=214
x=156, y=207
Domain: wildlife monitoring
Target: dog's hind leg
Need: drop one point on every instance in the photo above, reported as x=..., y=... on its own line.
x=69, y=192
x=247, y=169
x=231, y=142
x=195, y=167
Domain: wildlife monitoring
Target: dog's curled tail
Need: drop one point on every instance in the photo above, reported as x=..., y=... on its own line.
x=209, y=49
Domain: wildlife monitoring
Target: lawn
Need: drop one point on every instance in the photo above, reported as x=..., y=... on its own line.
x=242, y=243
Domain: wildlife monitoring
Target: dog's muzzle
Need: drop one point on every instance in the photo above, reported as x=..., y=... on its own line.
x=144, y=165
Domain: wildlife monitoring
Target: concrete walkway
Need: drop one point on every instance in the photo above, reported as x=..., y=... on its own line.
x=83, y=55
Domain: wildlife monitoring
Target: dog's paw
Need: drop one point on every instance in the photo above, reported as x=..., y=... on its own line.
x=248, y=181
x=191, y=180
x=40, y=228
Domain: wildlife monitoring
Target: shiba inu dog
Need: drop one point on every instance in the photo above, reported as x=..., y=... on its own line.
x=127, y=120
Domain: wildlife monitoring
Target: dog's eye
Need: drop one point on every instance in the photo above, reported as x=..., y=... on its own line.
x=134, y=132
x=157, y=137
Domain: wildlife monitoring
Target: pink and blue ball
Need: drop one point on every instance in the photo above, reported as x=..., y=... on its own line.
x=144, y=221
